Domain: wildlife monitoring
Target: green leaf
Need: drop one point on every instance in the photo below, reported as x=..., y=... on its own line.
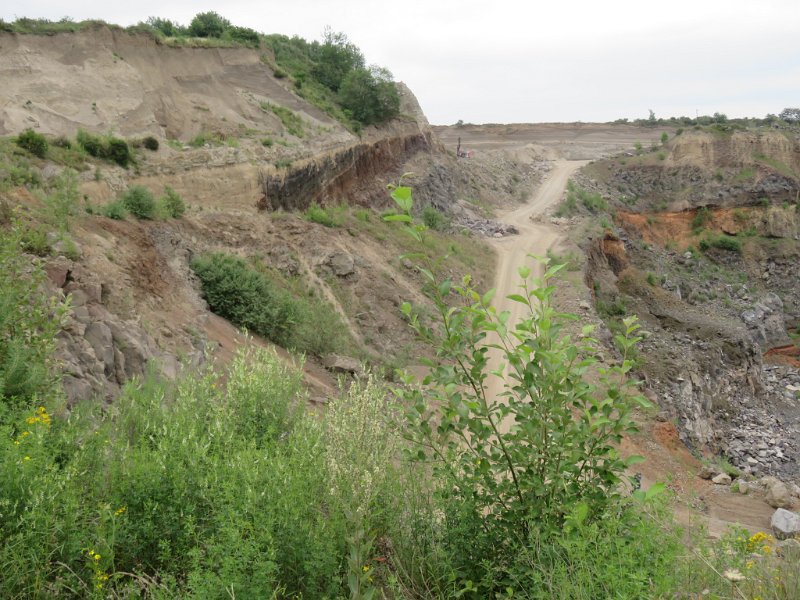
x=655, y=490
x=487, y=297
x=402, y=196
x=634, y=460
x=517, y=298
x=524, y=272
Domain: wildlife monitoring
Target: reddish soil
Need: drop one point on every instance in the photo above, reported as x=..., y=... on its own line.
x=676, y=228
x=784, y=355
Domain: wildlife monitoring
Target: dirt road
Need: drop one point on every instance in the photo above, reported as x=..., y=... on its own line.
x=515, y=251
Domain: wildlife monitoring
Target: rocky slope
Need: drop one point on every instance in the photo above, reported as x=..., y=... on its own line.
x=704, y=248
x=246, y=176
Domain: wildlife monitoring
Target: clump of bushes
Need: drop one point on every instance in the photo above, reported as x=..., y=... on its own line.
x=244, y=296
x=701, y=218
x=723, y=242
x=434, y=219
x=115, y=210
x=251, y=298
x=139, y=201
x=329, y=217
x=592, y=201
x=33, y=142
x=106, y=147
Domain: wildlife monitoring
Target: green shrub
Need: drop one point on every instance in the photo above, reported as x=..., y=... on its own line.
x=723, y=242
x=268, y=142
x=208, y=24
x=118, y=151
x=28, y=328
x=702, y=217
x=329, y=217
x=150, y=143
x=138, y=200
x=106, y=147
x=556, y=467
x=33, y=142
x=115, y=210
x=245, y=297
x=370, y=96
x=434, y=219
x=62, y=199
x=592, y=201
x=173, y=204
x=34, y=241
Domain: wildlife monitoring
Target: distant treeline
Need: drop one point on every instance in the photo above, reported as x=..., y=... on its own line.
x=718, y=120
x=331, y=74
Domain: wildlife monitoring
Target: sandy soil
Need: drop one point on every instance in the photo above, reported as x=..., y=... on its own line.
x=514, y=252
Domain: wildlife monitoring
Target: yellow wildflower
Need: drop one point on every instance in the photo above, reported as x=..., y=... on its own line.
x=365, y=568
x=27, y=458
x=120, y=510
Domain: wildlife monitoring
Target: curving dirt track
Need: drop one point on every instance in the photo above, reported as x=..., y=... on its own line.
x=515, y=251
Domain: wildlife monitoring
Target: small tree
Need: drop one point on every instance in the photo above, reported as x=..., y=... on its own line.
x=790, y=115
x=370, y=96
x=517, y=466
x=336, y=57
x=208, y=24
x=664, y=138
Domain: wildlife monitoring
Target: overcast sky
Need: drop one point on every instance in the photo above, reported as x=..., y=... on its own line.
x=506, y=61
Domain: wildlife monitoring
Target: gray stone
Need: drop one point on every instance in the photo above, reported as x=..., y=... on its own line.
x=76, y=389
x=341, y=264
x=707, y=472
x=341, y=364
x=99, y=337
x=785, y=524
x=722, y=479
x=134, y=348
x=778, y=495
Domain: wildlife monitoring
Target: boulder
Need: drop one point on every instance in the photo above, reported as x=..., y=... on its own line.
x=341, y=264
x=785, y=524
x=778, y=495
x=707, y=472
x=341, y=364
x=722, y=479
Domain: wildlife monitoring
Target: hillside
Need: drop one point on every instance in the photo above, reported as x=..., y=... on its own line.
x=248, y=347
